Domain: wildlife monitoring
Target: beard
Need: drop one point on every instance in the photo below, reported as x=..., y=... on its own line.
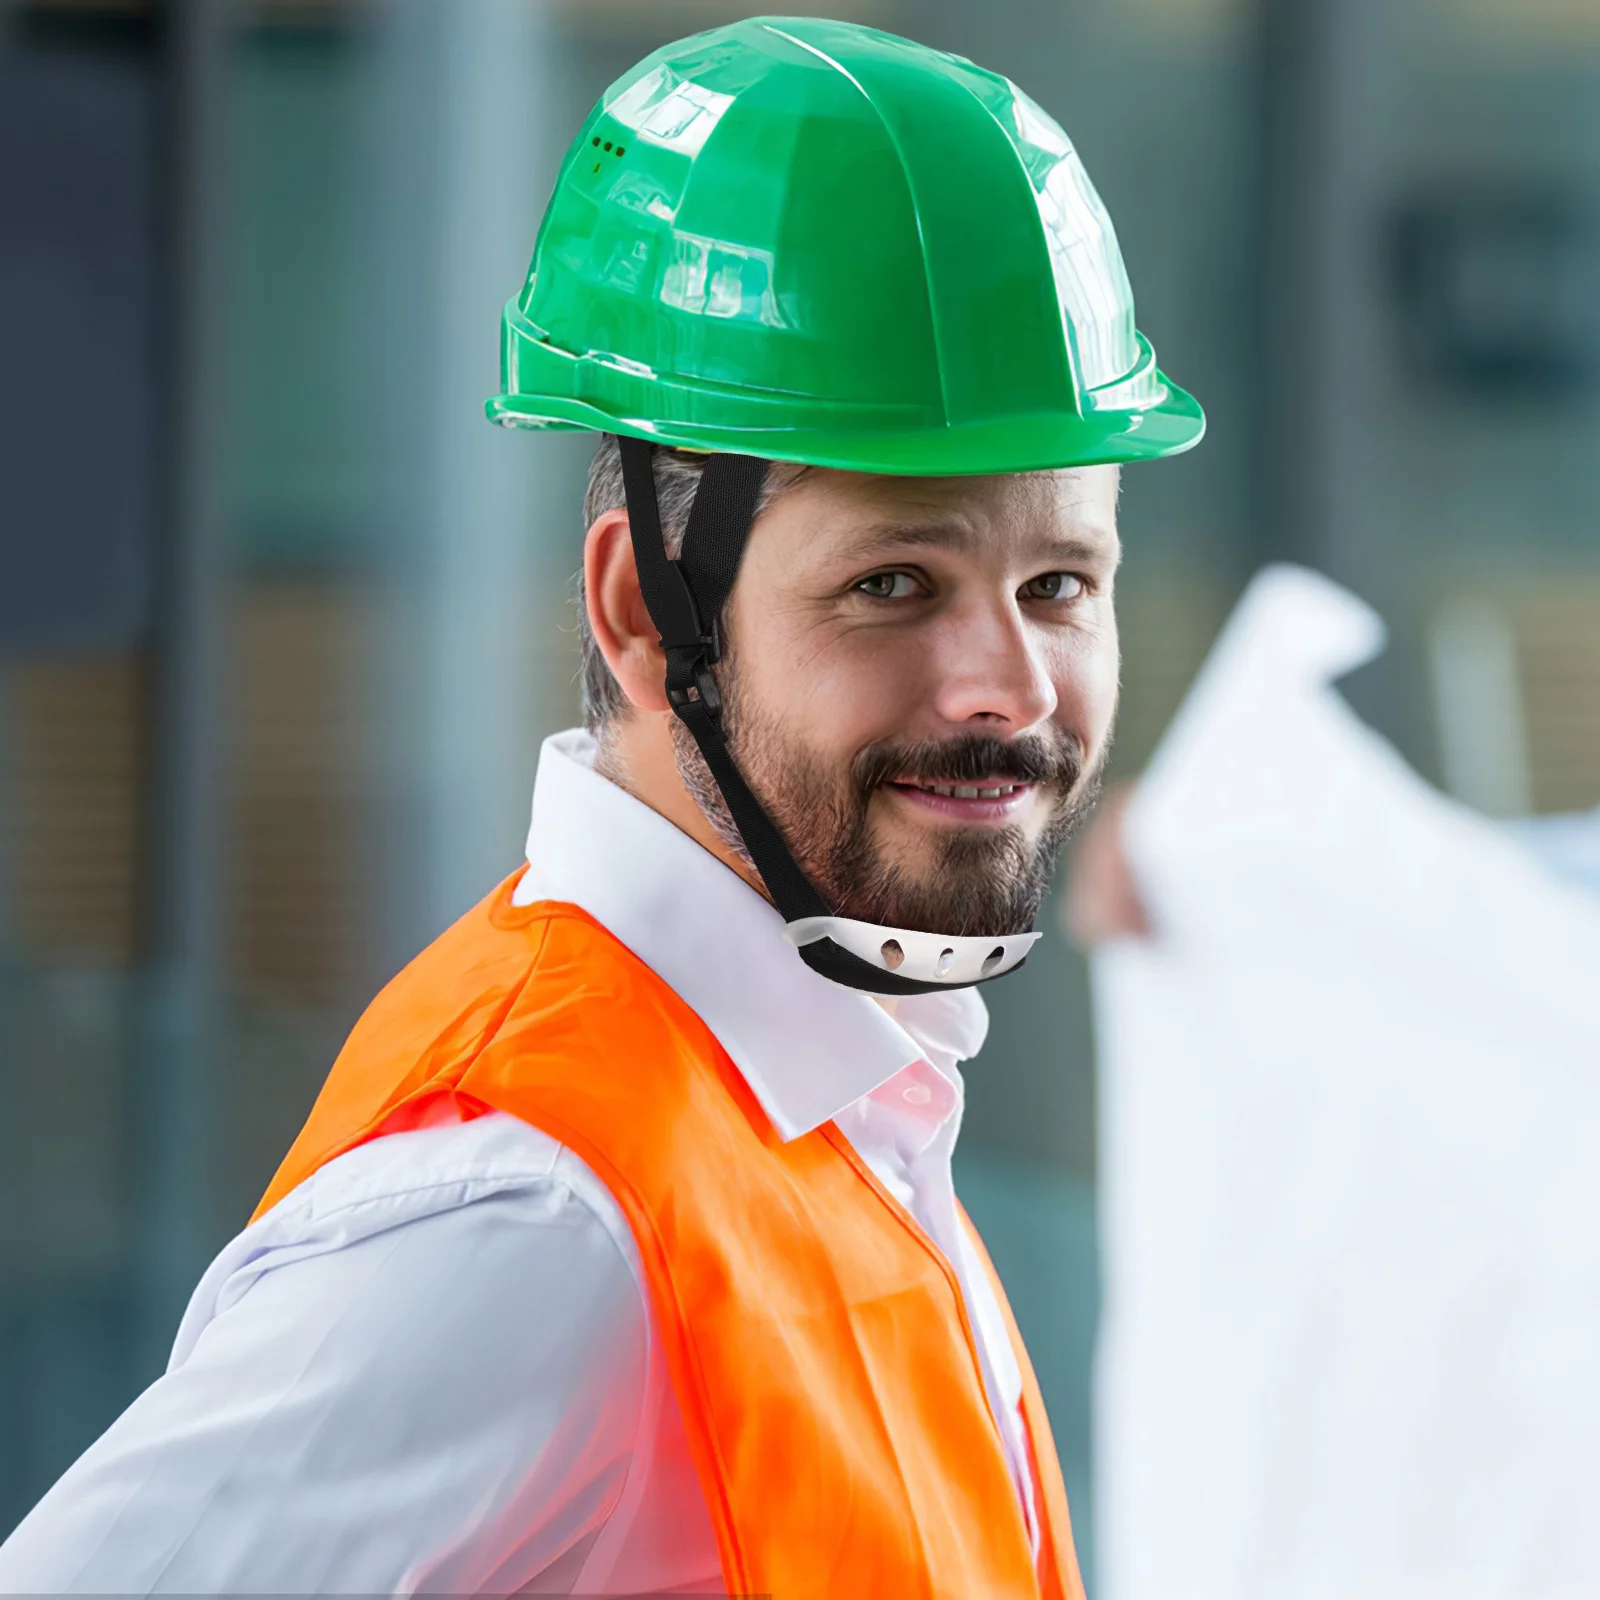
x=974, y=880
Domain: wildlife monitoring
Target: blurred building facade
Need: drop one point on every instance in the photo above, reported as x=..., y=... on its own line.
x=282, y=620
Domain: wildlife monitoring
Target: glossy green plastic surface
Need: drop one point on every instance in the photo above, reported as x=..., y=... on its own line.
x=816, y=242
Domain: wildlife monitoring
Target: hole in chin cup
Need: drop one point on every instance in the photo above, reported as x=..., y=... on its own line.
x=893, y=956
x=942, y=966
x=993, y=959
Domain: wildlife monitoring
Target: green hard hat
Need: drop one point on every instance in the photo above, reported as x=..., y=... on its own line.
x=816, y=242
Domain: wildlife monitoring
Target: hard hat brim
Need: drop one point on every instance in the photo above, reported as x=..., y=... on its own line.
x=1025, y=443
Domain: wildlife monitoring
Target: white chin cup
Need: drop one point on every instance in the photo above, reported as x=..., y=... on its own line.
x=948, y=958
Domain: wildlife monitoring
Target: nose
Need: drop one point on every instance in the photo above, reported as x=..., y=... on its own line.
x=993, y=670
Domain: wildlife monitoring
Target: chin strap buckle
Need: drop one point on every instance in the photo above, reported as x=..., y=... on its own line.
x=689, y=661
x=693, y=685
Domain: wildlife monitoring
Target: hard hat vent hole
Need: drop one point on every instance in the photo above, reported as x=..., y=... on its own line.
x=942, y=965
x=993, y=959
x=893, y=955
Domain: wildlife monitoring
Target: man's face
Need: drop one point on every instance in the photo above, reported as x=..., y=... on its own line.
x=919, y=685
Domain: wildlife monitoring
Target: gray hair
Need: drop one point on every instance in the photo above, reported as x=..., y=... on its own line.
x=677, y=479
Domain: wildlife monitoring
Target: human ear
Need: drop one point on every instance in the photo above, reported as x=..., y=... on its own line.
x=618, y=616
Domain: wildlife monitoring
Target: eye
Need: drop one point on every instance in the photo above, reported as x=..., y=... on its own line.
x=1053, y=586
x=889, y=586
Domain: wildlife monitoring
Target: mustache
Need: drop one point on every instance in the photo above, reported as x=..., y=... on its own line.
x=970, y=758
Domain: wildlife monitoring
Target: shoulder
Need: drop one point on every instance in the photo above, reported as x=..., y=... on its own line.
x=450, y=1189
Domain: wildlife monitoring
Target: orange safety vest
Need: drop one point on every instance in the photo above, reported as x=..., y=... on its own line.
x=816, y=1339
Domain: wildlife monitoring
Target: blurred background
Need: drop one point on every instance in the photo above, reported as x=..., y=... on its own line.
x=283, y=620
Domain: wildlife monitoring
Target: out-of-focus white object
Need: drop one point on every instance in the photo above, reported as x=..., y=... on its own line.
x=1350, y=1163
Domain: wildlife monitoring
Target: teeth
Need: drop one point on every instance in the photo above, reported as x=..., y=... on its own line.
x=967, y=791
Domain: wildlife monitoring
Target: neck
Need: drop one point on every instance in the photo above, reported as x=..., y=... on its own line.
x=637, y=754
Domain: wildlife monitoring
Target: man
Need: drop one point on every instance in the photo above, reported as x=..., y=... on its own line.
x=620, y=1252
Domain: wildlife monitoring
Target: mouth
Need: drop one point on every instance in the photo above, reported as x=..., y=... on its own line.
x=995, y=800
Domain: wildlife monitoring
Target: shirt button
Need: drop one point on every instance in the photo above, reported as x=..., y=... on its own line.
x=917, y=1094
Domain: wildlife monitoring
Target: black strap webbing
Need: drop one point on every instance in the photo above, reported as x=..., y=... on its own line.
x=661, y=580
x=719, y=527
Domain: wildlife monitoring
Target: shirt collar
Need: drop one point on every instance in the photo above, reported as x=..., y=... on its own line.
x=806, y=1046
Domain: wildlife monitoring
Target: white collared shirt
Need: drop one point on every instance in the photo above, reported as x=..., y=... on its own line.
x=431, y=1367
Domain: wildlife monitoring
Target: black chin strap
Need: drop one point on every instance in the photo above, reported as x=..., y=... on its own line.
x=685, y=600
